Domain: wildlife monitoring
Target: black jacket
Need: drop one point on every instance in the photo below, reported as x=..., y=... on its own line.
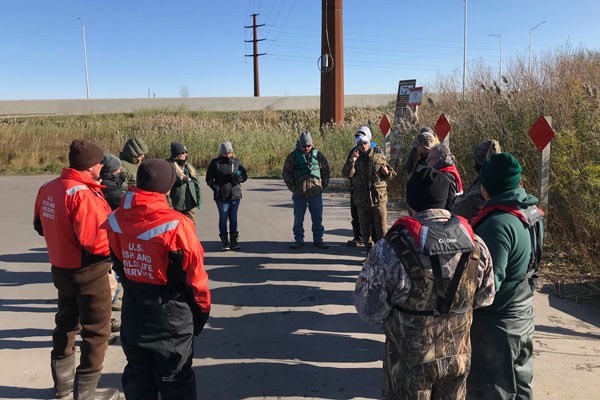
x=114, y=190
x=224, y=176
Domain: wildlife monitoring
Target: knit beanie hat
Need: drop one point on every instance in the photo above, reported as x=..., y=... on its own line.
x=177, y=149
x=484, y=151
x=226, y=147
x=427, y=188
x=136, y=146
x=305, y=139
x=84, y=154
x=155, y=175
x=110, y=164
x=502, y=172
x=364, y=131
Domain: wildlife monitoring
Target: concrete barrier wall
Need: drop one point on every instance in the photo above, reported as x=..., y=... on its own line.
x=108, y=106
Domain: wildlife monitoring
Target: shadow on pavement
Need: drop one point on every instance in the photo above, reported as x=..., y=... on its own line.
x=566, y=332
x=14, y=392
x=269, y=247
x=20, y=278
x=258, y=273
x=41, y=257
x=583, y=312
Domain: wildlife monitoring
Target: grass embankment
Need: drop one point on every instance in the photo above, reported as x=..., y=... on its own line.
x=564, y=86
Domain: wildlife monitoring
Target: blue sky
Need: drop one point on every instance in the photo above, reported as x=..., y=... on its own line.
x=135, y=45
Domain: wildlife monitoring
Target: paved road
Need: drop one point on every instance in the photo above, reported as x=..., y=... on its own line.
x=282, y=324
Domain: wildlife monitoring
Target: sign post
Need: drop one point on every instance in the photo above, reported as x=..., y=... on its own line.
x=404, y=87
x=385, y=126
x=542, y=133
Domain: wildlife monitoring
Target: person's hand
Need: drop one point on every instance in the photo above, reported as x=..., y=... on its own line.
x=354, y=156
x=385, y=169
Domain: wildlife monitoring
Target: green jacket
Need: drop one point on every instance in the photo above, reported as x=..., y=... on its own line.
x=185, y=194
x=133, y=148
x=369, y=187
x=509, y=243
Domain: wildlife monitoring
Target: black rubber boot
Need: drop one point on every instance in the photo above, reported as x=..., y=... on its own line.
x=233, y=237
x=224, y=242
x=63, y=374
x=85, y=388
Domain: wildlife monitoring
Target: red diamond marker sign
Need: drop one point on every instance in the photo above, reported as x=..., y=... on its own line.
x=385, y=125
x=541, y=133
x=442, y=127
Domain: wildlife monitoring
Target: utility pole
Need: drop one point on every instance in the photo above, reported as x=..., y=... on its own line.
x=87, y=84
x=530, y=34
x=464, y=55
x=255, y=54
x=332, y=63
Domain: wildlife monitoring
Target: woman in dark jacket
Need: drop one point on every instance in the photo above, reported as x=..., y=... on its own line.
x=113, y=178
x=224, y=176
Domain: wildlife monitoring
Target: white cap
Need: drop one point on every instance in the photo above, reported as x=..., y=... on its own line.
x=363, y=131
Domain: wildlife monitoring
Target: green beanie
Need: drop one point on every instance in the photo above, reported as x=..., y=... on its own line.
x=502, y=172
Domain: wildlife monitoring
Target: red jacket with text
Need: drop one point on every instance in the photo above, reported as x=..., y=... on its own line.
x=147, y=236
x=68, y=213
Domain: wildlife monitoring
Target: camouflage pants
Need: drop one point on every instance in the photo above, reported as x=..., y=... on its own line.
x=441, y=379
x=372, y=220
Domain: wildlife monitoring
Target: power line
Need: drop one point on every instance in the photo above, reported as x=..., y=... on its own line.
x=286, y=18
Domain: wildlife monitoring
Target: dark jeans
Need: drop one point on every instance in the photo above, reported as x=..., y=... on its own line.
x=228, y=211
x=84, y=303
x=315, y=207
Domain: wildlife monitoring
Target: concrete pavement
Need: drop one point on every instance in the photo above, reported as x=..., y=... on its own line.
x=282, y=323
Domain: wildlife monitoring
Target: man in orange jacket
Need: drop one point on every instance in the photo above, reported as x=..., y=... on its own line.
x=159, y=260
x=68, y=213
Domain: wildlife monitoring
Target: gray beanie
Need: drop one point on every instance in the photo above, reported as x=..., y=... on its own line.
x=305, y=139
x=110, y=164
x=226, y=147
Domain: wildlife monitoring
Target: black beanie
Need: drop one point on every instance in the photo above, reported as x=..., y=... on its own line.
x=177, y=149
x=155, y=175
x=84, y=154
x=427, y=188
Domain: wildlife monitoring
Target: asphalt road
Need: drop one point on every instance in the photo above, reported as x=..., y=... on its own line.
x=282, y=323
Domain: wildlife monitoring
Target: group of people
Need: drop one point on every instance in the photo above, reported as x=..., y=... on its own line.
x=134, y=217
x=452, y=283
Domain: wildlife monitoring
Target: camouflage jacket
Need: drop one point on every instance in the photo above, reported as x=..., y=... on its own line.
x=468, y=204
x=369, y=187
x=384, y=280
x=306, y=184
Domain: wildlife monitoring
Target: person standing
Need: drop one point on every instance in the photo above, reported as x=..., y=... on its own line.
x=422, y=281
x=159, y=260
x=502, y=333
x=357, y=239
x=224, y=176
x=68, y=213
x=306, y=174
x=132, y=155
x=369, y=172
x=185, y=195
x=440, y=158
x=468, y=204
x=425, y=140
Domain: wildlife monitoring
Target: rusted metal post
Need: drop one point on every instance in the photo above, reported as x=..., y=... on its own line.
x=332, y=63
x=255, y=54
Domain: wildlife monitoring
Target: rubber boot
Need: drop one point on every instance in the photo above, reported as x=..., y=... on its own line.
x=85, y=388
x=63, y=374
x=224, y=242
x=233, y=237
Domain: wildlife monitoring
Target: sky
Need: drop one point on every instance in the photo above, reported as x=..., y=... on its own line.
x=161, y=46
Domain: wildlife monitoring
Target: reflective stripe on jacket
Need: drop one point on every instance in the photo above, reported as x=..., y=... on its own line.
x=68, y=212
x=145, y=233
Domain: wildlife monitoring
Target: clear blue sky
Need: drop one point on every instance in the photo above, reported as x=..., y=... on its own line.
x=136, y=45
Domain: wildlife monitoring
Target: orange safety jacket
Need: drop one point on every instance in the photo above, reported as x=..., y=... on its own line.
x=68, y=212
x=146, y=236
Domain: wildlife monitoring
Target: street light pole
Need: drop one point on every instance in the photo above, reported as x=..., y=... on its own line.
x=500, y=78
x=87, y=84
x=465, y=54
x=530, y=34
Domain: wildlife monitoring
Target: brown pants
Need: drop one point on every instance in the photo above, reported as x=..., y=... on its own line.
x=372, y=219
x=84, y=303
